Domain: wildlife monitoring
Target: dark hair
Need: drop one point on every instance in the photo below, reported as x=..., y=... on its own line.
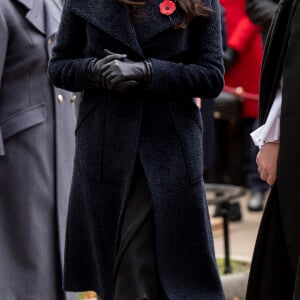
x=191, y=9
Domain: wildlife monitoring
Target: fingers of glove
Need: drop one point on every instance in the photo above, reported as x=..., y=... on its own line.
x=118, y=74
x=108, y=52
x=114, y=77
x=111, y=57
x=125, y=86
x=108, y=82
x=123, y=71
x=117, y=78
x=111, y=83
x=110, y=67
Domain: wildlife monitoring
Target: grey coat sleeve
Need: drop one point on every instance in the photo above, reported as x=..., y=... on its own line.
x=261, y=12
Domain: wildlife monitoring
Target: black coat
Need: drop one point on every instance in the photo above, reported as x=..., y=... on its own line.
x=261, y=13
x=283, y=58
x=280, y=228
x=159, y=123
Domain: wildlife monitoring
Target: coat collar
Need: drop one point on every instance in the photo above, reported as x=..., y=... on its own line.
x=35, y=13
x=53, y=10
x=113, y=18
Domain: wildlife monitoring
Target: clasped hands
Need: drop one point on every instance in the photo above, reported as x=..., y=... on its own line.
x=267, y=162
x=117, y=73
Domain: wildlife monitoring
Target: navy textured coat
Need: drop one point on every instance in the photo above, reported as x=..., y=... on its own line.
x=159, y=123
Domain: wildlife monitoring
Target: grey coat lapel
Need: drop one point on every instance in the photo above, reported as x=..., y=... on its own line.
x=113, y=18
x=53, y=10
x=35, y=13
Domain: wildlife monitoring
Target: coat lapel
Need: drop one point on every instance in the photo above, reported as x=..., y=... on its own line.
x=35, y=13
x=113, y=18
x=151, y=22
x=53, y=10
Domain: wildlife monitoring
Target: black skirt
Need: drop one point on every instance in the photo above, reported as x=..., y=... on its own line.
x=136, y=276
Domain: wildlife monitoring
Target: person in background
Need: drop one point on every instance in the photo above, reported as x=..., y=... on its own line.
x=261, y=13
x=242, y=59
x=209, y=133
x=37, y=125
x=138, y=223
x=275, y=268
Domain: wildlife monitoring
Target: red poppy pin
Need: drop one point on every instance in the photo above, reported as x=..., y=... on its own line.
x=167, y=7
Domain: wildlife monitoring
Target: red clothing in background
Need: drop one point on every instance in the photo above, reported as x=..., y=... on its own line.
x=245, y=38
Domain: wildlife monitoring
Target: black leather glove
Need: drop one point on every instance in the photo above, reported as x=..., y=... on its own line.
x=229, y=57
x=94, y=68
x=123, y=86
x=123, y=72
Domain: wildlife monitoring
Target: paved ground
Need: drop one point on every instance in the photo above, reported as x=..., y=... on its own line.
x=242, y=234
x=242, y=240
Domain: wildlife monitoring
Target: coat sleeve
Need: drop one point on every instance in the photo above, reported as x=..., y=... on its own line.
x=261, y=12
x=67, y=67
x=203, y=77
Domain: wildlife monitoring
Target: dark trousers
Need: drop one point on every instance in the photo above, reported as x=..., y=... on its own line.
x=136, y=275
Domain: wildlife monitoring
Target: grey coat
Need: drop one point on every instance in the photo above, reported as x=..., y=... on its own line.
x=36, y=153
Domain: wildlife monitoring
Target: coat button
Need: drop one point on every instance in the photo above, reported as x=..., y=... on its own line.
x=73, y=98
x=217, y=115
x=60, y=98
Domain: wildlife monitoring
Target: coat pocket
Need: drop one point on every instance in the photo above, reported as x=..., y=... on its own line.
x=187, y=120
x=20, y=121
x=89, y=138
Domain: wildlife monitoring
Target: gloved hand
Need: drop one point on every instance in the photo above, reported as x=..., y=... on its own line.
x=94, y=69
x=123, y=86
x=123, y=72
x=230, y=56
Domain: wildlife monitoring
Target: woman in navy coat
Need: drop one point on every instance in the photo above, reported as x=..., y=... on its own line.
x=138, y=224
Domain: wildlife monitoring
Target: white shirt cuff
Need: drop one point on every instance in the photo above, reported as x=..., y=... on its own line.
x=270, y=131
